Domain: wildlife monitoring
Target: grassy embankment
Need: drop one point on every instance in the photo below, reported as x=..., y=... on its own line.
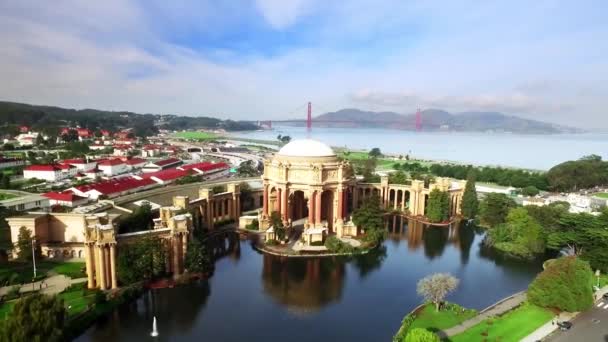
x=384, y=163
x=5, y=196
x=601, y=195
x=512, y=326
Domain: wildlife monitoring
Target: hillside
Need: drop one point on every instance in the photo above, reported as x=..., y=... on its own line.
x=49, y=119
x=437, y=119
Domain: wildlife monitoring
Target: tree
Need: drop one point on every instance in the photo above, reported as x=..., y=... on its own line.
x=584, y=173
x=36, y=317
x=143, y=260
x=530, y=190
x=375, y=153
x=494, y=208
x=246, y=169
x=71, y=135
x=370, y=215
x=39, y=140
x=470, y=203
x=5, y=182
x=438, y=207
x=421, y=335
x=8, y=147
x=198, y=259
x=565, y=284
x=277, y=224
x=398, y=177
x=283, y=139
x=436, y=287
x=24, y=244
x=520, y=236
x=140, y=219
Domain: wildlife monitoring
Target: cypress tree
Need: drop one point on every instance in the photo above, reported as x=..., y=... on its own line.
x=470, y=203
x=438, y=209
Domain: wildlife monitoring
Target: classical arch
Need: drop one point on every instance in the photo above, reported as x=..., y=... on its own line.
x=298, y=205
x=327, y=207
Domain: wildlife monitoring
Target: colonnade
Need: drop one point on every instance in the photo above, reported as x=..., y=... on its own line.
x=100, y=261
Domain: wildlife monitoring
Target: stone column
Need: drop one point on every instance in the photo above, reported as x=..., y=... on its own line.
x=414, y=202
x=311, y=208
x=106, y=254
x=279, y=199
x=113, y=265
x=176, y=246
x=403, y=200
x=318, y=207
x=265, y=200
x=184, y=249
x=395, y=200
x=355, y=197
x=340, y=213
x=89, y=264
x=285, y=204
x=102, y=268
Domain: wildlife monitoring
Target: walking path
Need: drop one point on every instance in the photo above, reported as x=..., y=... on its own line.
x=549, y=327
x=497, y=309
x=51, y=285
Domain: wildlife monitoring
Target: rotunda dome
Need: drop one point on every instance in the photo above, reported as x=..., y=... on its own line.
x=306, y=148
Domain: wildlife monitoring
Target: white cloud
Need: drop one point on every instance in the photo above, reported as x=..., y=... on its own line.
x=283, y=13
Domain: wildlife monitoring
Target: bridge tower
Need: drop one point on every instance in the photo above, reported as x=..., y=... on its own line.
x=309, y=118
x=418, y=120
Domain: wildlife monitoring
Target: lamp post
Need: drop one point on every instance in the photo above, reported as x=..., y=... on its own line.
x=34, y=255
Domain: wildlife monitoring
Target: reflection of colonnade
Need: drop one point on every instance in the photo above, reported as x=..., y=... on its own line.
x=415, y=232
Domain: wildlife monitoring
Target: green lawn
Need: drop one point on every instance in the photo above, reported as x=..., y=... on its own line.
x=25, y=272
x=196, y=135
x=513, y=326
x=5, y=196
x=76, y=301
x=5, y=308
x=601, y=195
x=431, y=319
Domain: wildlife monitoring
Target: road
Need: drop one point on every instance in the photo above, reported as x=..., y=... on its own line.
x=589, y=326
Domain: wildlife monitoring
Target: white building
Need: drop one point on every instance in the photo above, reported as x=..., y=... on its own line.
x=48, y=172
x=10, y=162
x=81, y=164
x=112, y=167
x=26, y=202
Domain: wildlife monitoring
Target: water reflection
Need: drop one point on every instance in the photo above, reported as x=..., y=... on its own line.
x=433, y=239
x=303, y=285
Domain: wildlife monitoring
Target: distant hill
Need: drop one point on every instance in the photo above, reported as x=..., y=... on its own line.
x=437, y=119
x=49, y=119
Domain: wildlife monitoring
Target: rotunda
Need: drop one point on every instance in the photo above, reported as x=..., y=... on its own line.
x=306, y=180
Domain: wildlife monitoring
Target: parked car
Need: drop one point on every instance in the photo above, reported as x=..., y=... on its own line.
x=605, y=296
x=565, y=325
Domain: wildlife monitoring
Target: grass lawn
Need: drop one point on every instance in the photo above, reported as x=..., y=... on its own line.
x=601, y=195
x=25, y=272
x=76, y=301
x=431, y=319
x=5, y=196
x=513, y=326
x=196, y=135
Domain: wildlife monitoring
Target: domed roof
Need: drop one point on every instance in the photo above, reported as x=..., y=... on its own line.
x=306, y=148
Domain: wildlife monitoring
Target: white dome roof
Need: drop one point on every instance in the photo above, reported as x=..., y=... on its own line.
x=306, y=148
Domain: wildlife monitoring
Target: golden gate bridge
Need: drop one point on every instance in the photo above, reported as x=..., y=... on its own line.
x=309, y=120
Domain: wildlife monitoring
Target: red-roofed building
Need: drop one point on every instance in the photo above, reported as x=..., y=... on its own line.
x=122, y=150
x=135, y=163
x=24, y=129
x=84, y=133
x=112, y=167
x=97, y=147
x=124, y=134
x=165, y=176
x=67, y=199
x=150, y=151
x=49, y=172
x=105, y=133
x=113, y=188
x=162, y=165
x=80, y=164
x=206, y=168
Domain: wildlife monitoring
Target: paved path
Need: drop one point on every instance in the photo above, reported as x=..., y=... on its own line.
x=497, y=309
x=51, y=285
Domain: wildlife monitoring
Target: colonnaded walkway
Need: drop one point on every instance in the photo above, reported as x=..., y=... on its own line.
x=51, y=285
x=499, y=308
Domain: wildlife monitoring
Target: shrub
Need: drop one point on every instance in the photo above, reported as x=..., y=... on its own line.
x=421, y=335
x=254, y=225
x=317, y=243
x=335, y=245
x=100, y=297
x=566, y=284
x=272, y=242
x=405, y=326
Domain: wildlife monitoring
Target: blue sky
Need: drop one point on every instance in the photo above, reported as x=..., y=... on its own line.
x=264, y=58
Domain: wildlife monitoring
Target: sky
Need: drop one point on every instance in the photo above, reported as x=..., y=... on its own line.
x=264, y=59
